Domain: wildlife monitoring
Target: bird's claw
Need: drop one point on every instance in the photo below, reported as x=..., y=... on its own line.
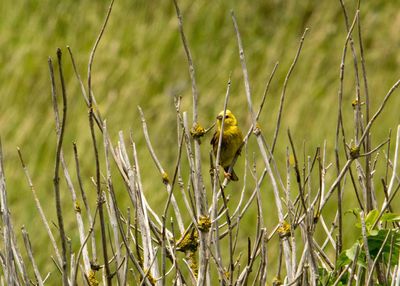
x=228, y=176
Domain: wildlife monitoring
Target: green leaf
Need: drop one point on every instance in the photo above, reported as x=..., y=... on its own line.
x=390, y=217
x=375, y=243
x=361, y=260
x=342, y=260
x=372, y=216
x=351, y=252
x=355, y=212
x=347, y=256
x=373, y=232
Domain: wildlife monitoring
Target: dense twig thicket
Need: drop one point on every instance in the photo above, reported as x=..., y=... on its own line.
x=141, y=244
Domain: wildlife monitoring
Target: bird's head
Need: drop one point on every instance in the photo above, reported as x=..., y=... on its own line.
x=230, y=119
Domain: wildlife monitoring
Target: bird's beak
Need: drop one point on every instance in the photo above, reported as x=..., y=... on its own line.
x=219, y=117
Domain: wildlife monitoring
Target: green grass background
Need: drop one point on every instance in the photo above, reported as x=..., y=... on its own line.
x=140, y=61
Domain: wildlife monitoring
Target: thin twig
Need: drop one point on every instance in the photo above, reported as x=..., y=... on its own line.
x=112, y=212
x=365, y=244
x=266, y=90
x=85, y=200
x=91, y=123
x=278, y=121
x=378, y=112
x=56, y=179
x=164, y=175
x=40, y=209
x=83, y=244
x=9, y=270
x=339, y=127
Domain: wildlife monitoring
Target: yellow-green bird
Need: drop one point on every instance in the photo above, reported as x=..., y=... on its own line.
x=232, y=139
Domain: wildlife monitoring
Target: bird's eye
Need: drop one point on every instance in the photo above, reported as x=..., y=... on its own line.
x=226, y=116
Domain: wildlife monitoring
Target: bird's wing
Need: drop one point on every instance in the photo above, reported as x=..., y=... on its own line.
x=214, y=140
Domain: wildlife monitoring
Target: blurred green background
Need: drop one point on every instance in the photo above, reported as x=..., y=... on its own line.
x=140, y=61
